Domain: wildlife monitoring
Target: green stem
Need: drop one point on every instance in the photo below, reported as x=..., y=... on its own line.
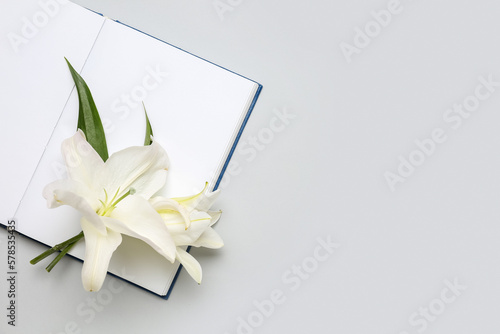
x=60, y=256
x=57, y=247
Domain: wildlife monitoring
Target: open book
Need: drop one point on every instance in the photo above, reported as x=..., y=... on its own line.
x=197, y=111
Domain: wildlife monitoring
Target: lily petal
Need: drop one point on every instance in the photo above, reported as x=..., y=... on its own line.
x=200, y=221
x=170, y=210
x=201, y=201
x=215, y=216
x=77, y=195
x=75, y=187
x=209, y=239
x=142, y=167
x=82, y=161
x=98, y=251
x=208, y=200
x=136, y=218
x=189, y=262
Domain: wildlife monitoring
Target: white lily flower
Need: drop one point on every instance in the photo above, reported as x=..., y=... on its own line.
x=112, y=197
x=189, y=222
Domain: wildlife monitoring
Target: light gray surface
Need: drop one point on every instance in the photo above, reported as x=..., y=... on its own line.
x=323, y=175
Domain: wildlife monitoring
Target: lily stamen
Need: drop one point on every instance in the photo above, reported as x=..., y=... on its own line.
x=130, y=192
x=107, y=208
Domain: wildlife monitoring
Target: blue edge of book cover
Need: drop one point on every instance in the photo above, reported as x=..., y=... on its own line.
x=221, y=175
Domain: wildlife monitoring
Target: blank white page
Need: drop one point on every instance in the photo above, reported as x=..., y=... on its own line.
x=35, y=84
x=194, y=109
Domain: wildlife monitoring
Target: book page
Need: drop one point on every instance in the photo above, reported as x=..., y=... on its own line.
x=193, y=105
x=35, y=83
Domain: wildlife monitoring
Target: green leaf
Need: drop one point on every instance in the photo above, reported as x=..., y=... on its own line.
x=88, y=116
x=149, y=130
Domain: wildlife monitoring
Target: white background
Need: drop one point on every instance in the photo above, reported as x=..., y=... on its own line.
x=322, y=175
